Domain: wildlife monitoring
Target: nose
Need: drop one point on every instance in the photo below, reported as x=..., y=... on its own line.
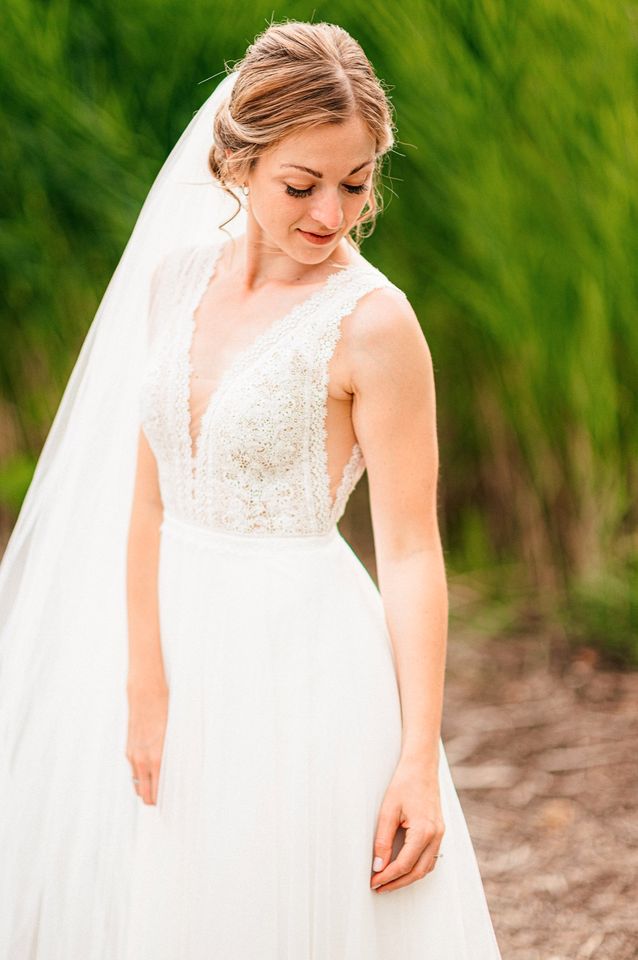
x=327, y=211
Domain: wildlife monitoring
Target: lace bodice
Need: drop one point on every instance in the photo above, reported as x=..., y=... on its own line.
x=259, y=463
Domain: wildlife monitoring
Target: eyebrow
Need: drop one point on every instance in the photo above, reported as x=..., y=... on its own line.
x=318, y=175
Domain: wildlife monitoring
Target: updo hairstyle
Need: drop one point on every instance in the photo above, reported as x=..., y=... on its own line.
x=294, y=76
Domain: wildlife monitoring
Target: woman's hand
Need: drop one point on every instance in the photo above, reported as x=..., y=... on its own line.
x=148, y=715
x=412, y=801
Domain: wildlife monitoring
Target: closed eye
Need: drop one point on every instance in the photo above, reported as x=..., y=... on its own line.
x=351, y=188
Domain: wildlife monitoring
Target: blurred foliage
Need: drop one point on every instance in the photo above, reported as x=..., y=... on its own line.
x=510, y=222
x=602, y=612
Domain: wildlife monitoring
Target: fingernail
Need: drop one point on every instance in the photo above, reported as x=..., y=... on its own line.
x=377, y=886
x=377, y=863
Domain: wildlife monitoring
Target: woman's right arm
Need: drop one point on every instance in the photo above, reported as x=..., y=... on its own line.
x=147, y=690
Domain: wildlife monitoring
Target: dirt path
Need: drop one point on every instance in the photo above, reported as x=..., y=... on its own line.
x=544, y=761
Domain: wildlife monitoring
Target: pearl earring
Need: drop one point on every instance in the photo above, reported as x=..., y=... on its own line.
x=244, y=189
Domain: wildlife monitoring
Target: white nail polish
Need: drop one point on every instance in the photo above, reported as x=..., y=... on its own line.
x=377, y=863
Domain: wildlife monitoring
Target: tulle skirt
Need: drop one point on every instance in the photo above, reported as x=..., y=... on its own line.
x=283, y=732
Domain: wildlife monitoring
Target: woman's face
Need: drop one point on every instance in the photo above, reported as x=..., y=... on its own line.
x=316, y=181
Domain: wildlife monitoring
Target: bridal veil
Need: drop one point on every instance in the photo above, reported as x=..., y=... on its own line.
x=63, y=614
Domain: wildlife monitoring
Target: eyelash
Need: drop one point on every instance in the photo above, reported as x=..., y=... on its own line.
x=294, y=192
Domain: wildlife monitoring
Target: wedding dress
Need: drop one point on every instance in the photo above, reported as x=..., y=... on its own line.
x=284, y=721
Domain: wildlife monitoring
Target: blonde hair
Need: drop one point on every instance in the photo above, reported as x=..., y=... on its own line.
x=293, y=76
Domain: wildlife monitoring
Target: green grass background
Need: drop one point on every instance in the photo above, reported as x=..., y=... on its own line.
x=510, y=222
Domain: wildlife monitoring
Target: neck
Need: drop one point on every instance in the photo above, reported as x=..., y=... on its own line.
x=254, y=261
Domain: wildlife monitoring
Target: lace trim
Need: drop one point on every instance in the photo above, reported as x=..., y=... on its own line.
x=192, y=449
x=186, y=278
x=264, y=341
x=327, y=510
x=170, y=284
x=259, y=463
x=352, y=473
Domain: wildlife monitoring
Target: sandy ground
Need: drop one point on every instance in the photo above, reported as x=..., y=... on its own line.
x=543, y=755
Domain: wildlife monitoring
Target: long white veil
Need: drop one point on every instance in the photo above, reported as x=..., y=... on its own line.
x=67, y=803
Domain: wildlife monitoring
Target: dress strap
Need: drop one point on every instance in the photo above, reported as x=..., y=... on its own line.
x=338, y=305
x=175, y=276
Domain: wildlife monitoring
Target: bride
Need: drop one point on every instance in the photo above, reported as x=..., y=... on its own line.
x=219, y=738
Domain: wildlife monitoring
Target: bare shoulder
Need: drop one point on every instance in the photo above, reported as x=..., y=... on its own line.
x=384, y=312
x=383, y=341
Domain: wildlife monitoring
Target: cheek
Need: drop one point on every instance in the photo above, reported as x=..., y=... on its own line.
x=355, y=204
x=278, y=205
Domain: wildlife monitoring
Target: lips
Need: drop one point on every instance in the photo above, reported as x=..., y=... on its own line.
x=319, y=239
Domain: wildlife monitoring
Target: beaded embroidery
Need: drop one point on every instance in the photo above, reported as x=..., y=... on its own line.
x=259, y=463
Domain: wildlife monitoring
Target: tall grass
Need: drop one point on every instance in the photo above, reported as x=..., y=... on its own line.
x=515, y=230
x=511, y=223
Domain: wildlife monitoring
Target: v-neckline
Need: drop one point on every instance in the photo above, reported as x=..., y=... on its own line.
x=243, y=358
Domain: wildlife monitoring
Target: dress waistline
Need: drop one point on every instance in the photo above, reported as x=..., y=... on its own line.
x=199, y=533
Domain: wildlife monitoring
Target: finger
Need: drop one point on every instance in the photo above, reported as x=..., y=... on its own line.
x=421, y=868
x=387, y=826
x=157, y=759
x=416, y=840
x=144, y=786
x=148, y=787
x=155, y=775
x=435, y=855
x=135, y=776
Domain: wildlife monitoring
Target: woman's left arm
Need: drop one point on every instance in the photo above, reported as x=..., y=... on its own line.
x=394, y=416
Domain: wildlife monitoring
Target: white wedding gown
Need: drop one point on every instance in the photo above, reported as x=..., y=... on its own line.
x=284, y=722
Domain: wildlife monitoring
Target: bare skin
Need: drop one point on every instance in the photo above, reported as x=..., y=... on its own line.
x=381, y=394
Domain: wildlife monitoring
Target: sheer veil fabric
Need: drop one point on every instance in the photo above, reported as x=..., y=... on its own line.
x=63, y=623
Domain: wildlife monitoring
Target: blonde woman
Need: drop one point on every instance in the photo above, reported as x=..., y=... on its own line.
x=292, y=795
